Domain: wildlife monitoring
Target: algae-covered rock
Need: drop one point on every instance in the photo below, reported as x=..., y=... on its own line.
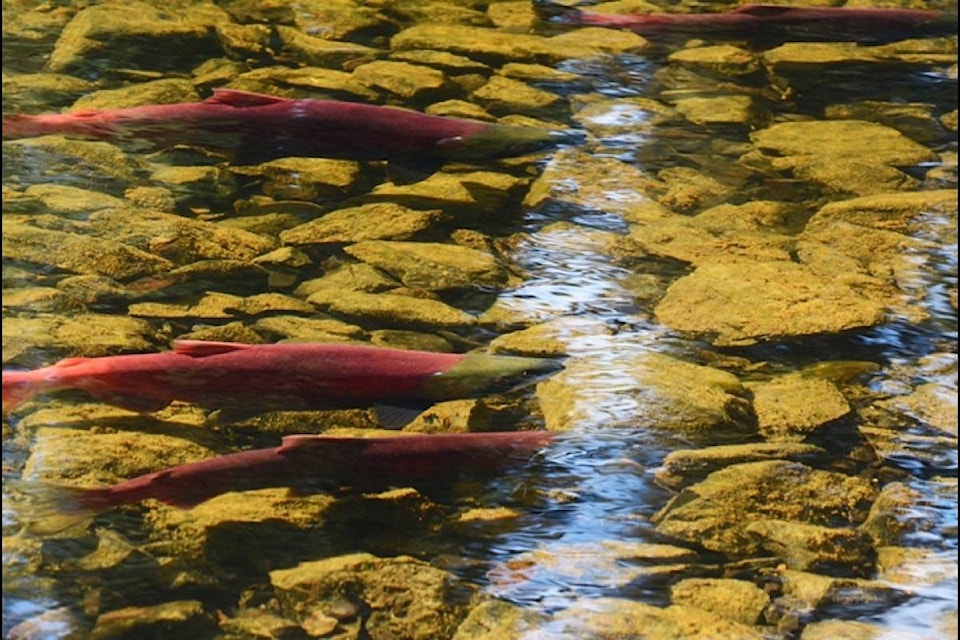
x=25, y=339
x=136, y=35
x=725, y=60
x=718, y=511
x=390, y=308
x=165, y=91
x=791, y=407
x=651, y=389
x=736, y=600
x=401, y=79
x=745, y=303
x=621, y=618
x=185, y=618
x=820, y=549
x=400, y=596
x=375, y=221
x=686, y=466
x=432, y=266
x=839, y=140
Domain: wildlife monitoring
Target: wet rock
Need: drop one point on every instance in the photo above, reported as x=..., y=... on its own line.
x=689, y=190
x=136, y=35
x=196, y=185
x=182, y=617
x=719, y=511
x=720, y=110
x=349, y=277
x=912, y=567
x=399, y=596
x=402, y=339
x=686, y=466
x=648, y=388
x=246, y=41
x=375, y=221
x=432, y=266
x=61, y=336
x=459, y=109
x=606, y=563
x=166, y=91
x=402, y=80
x=230, y=530
x=299, y=329
x=77, y=253
x=59, y=198
x=916, y=120
x=745, y=303
x=450, y=64
x=304, y=82
x=736, y=600
x=615, y=617
x=790, y=143
x=791, y=407
x=853, y=178
x=498, y=47
x=497, y=620
x=897, y=514
x=390, y=309
x=310, y=179
x=342, y=20
x=31, y=92
x=177, y=238
x=819, y=549
x=759, y=230
x=41, y=300
x=502, y=95
x=60, y=622
x=900, y=212
x=215, y=305
x=464, y=194
x=620, y=120
x=73, y=162
x=313, y=51
x=797, y=59
x=826, y=596
x=573, y=177
x=725, y=60
x=257, y=623
x=549, y=339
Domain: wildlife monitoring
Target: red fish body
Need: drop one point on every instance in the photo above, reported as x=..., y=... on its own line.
x=315, y=461
x=254, y=127
x=286, y=376
x=768, y=22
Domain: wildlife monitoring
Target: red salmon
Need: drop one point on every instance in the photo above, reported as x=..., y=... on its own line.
x=771, y=23
x=310, y=461
x=253, y=127
x=276, y=376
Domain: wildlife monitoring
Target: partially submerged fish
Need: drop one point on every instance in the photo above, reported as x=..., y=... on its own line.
x=276, y=376
x=771, y=23
x=306, y=461
x=253, y=128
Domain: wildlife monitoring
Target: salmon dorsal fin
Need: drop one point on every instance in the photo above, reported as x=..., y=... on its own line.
x=235, y=98
x=70, y=362
x=204, y=348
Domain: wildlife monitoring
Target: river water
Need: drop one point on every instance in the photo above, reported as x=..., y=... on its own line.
x=580, y=509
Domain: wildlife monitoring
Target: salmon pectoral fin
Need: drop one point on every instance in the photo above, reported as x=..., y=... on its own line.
x=407, y=170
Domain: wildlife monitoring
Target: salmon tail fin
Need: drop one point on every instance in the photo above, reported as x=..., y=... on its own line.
x=18, y=386
x=47, y=508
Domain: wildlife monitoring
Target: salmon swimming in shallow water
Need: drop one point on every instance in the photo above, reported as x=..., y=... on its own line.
x=253, y=128
x=311, y=461
x=770, y=24
x=276, y=376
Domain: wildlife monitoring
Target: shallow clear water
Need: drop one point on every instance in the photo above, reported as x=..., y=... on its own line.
x=595, y=487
